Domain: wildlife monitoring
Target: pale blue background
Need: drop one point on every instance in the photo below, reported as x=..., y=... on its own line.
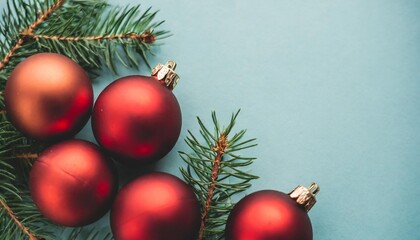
x=331, y=89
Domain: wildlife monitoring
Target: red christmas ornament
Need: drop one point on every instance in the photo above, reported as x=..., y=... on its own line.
x=273, y=215
x=48, y=96
x=156, y=206
x=138, y=118
x=72, y=183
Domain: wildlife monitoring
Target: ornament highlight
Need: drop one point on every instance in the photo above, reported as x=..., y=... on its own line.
x=270, y=214
x=156, y=206
x=48, y=97
x=138, y=118
x=72, y=183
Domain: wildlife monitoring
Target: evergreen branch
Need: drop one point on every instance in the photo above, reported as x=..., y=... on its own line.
x=27, y=156
x=20, y=219
x=146, y=37
x=79, y=29
x=123, y=34
x=220, y=148
x=16, y=220
x=214, y=172
x=11, y=53
x=42, y=17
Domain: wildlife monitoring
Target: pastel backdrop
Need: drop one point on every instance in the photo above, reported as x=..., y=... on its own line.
x=331, y=89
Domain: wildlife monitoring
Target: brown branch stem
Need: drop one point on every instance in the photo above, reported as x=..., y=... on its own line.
x=12, y=215
x=30, y=30
x=28, y=156
x=146, y=37
x=220, y=148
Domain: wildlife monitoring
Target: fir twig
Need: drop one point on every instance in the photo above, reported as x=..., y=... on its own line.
x=27, y=156
x=146, y=37
x=214, y=170
x=122, y=34
x=220, y=148
x=20, y=219
x=41, y=18
x=11, y=214
x=11, y=53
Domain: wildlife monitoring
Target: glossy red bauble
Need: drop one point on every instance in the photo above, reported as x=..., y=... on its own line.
x=137, y=118
x=268, y=215
x=156, y=206
x=48, y=96
x=72, y=183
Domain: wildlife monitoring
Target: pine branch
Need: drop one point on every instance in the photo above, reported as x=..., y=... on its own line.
x=29, y=30
x=83, y=30
x=16, y=220
x=20, y=219
x=146, y=37
x=124, y=34
x=27, y=156
x=214, y=170
x=220, y=148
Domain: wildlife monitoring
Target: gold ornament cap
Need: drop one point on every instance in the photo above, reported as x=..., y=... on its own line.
x=305, y=196
x=166, y=74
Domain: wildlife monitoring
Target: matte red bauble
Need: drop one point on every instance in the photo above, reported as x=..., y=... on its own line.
x=156, y=206
x=48, y=96
x=272, y=215
x=137, y=118
x=72, y=183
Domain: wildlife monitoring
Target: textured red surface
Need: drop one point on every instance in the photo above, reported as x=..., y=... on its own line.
x=48, y=96
x=72, y=183
x=156, y=206
x=137, y=118
x=268, y=215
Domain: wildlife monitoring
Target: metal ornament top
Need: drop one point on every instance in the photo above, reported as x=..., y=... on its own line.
x=166, y=74
x=305, y=196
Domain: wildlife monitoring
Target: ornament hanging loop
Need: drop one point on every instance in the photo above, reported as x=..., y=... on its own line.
x=314, y=188
x=166, y=74
x=305, y=196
